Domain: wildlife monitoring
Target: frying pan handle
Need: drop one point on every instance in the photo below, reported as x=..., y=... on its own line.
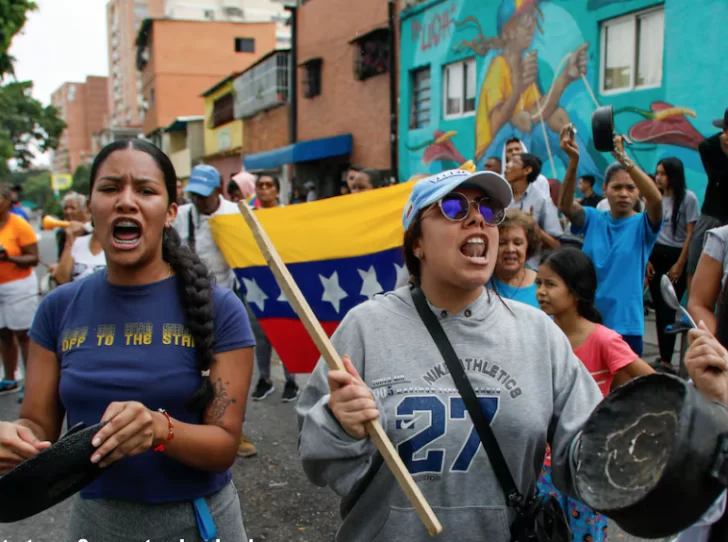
x=75, y=429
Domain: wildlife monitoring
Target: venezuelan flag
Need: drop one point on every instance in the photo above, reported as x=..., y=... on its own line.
x=341, y=251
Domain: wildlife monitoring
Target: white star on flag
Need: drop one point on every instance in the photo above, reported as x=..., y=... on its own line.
x=255, y=295
x=282, y=298
x=370, y=286
x=332, y=291
x=400, y=271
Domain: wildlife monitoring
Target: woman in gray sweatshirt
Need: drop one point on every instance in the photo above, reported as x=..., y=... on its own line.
x=531, y=386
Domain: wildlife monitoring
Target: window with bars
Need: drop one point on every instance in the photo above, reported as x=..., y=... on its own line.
x=633, y=51
x=371, y=54
x=458, y=92
x=421, y=86
x=223, y=110
x=312, y=78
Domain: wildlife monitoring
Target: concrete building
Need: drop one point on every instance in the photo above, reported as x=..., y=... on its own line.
x=123, y=20
x=180, y=59
x=184, y=142
x=223, y=132
x=457, y=59
x=262, y=95
x=345, y=94
x=83, y=107
x=248, y=11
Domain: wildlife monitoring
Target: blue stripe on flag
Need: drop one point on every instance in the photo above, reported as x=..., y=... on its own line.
x=331, y=287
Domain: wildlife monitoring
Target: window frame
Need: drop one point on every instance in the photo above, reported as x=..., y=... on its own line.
x=445, y=70
x=241, y=40
x=223, y=103
x=314, y=65
x=413, y=123
x=379, y=36
x=634, y=61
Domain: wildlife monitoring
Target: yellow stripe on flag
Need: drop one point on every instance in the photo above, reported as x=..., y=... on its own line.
x=332, y=228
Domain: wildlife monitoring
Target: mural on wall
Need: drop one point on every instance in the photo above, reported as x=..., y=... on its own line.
x=532, y=78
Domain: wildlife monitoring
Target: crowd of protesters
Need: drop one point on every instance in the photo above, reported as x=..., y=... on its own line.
x=498, y=275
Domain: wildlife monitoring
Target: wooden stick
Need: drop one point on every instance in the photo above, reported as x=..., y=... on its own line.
x=321, y=339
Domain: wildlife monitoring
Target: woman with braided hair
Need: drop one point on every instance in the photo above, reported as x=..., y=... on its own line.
x=152, y=347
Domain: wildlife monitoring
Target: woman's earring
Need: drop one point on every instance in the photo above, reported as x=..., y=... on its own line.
x=418, y=254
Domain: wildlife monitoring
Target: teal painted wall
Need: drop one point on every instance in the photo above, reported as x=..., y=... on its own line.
x=438, y=32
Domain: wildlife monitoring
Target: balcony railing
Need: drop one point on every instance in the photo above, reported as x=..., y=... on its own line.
x=264, y=86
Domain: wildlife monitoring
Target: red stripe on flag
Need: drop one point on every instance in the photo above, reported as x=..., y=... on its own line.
x=293, y=344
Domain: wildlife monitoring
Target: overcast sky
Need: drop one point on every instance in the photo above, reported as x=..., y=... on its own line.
x=64, y=40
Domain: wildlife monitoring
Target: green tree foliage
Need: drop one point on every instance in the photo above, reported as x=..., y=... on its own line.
x=82, y=179
x=13, y=14
x=37, y=188
x=26, y=126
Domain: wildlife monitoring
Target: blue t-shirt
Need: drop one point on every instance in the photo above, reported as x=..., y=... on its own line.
x=18, y=210
x=129, y=343
x=619, y=249
x=526, y=295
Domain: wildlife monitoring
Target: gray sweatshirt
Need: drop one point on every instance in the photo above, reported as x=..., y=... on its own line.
x=521, y=366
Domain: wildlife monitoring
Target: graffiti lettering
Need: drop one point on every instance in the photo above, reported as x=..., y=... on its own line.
x=434, y=32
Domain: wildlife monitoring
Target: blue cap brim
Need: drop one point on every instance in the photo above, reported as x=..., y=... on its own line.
x=199, y=188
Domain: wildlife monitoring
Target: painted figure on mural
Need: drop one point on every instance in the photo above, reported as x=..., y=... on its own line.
x=510, y=103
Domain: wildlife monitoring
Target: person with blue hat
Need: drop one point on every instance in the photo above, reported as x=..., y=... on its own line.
x=526, y=379
x=192, y=224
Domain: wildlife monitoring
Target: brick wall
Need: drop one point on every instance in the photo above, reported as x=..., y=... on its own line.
x=267, y=130
x=189, y=57
x=345, y=104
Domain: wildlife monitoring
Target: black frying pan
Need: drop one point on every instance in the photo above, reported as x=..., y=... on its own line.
x=654, y=456
x=603, y=129
x=51, y=476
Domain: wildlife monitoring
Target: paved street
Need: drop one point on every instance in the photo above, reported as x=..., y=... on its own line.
x=279, y=504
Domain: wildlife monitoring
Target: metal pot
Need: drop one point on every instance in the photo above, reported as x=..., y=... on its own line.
x=51, y=476
x=603, y=129
x=654, y=456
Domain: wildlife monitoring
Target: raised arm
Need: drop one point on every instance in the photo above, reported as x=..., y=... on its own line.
x=648, y=189
x=567, y=205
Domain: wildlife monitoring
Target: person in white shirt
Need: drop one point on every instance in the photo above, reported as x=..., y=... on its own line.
x=81, y=257
x=516, y=146
x=192, y=224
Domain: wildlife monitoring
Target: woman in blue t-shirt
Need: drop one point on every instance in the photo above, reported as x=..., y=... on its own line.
x=618, y=241
x=518, y=241
x=151, y=346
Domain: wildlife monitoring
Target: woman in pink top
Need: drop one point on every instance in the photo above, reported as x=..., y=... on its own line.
x=565, y=288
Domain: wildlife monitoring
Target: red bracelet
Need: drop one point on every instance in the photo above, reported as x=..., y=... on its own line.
x=160, y=448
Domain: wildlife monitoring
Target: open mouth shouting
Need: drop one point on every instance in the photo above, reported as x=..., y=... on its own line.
x=126, y=233
x=475, y=248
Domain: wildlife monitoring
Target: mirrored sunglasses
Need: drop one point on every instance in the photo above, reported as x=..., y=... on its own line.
x=456, y=207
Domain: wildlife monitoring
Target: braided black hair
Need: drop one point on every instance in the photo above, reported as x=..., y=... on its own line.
x=193, y=278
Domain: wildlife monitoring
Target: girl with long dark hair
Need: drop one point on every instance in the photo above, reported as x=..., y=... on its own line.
x=680, y=212
x=566, y=287
x=151, y=346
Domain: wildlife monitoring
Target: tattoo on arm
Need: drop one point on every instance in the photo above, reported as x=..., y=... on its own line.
x=220, y=402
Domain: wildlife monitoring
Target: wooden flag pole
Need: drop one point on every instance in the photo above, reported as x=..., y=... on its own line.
x=321, y=339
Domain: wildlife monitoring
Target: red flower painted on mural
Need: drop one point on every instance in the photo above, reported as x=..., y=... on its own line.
x=665, y=124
